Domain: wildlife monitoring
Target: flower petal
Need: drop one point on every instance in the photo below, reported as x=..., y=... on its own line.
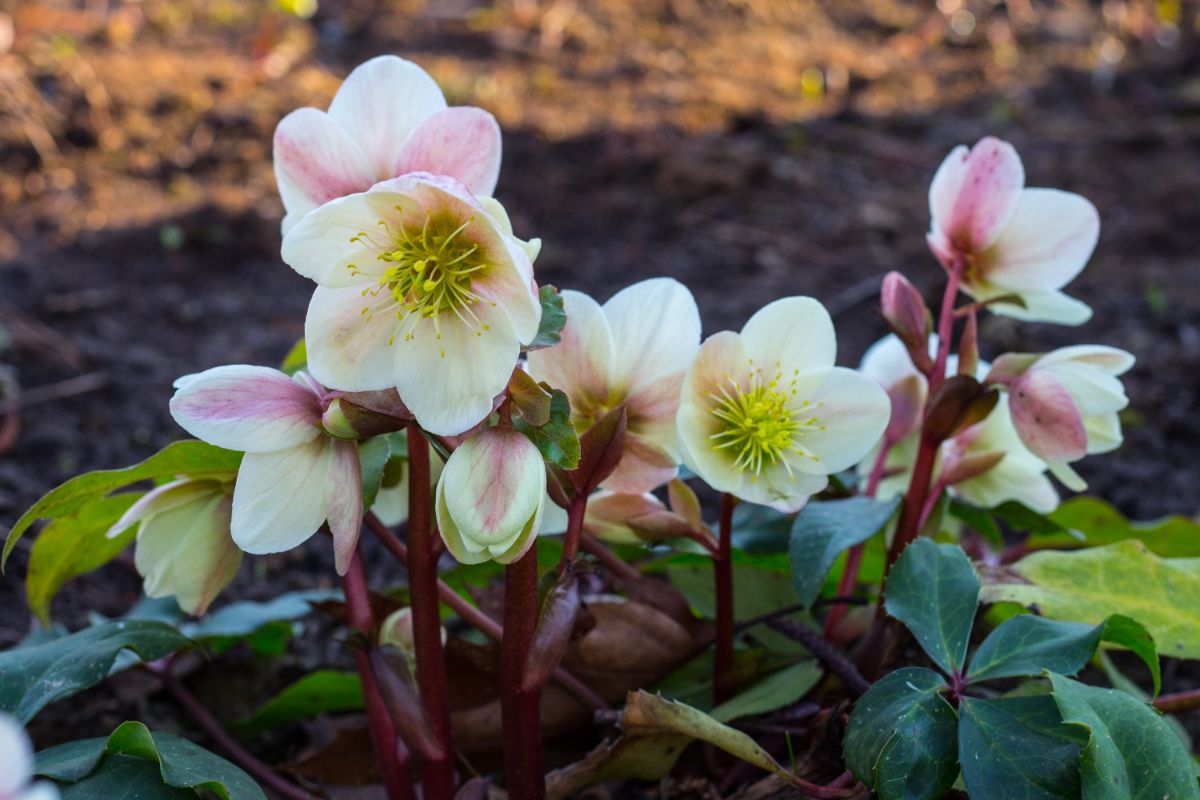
x=315, y=162
x=792, y=335
x=325, y=246
x=1047, y=417
x=240, y=407
x=381, y=103
x=721, y=358
x=188, y=552
x=1103, y=433
x=462, y=142
x=581, y=364
x=1047, y=241
x=348, y=349
x=1111, y=360
x=974, y=192
x=656, y=330
x=1040, y=306
x=644, y=466
x=345, y=502
x=281, y=499
x=161, y=499
x=851, y=412
x=16, y=756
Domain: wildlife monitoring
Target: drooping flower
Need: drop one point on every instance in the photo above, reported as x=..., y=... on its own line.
x=634, y=350
x=1064, y=403
x=1012, y=240
x=294, y=476
x=16, y=765
x=421, y=288
x=389, y=118
x=491, y=497
x=765, y=415
x=184, y=545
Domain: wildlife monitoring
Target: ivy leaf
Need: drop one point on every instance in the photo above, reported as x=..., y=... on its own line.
x=373, y=455
x=554, y=318
x=112, y=767
x=556, y=440
x=934, y=591
x=901, y=741
x=34, y=676
x=190, y=457
x=1017, y=748
x=1130, y=754
x=823, y=529
x=321, y=692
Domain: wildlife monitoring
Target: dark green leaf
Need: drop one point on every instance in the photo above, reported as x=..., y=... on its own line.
x=553, y=319
x=761, y=529
x=1022, y=518
x=125, y=778
x=823, y=529
x=556, y=440
x=32, y=677
x=901, y=741
x=934, y=591
x=373, y=455
x=245, y=617
x=774, y=691
x=321, y=692
x=979, y=519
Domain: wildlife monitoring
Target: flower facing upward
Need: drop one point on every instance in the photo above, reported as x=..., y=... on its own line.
x=634, y=350
x=389, y=118
x=16, y=765
x=421, y=288
x=765, y=415
x=294, y=476
x=1012, y=240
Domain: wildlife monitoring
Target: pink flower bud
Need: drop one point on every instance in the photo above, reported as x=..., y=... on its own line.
x=1047, y=417
x=905, y=312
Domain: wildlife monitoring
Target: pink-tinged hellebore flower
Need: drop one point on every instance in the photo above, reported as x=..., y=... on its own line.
x=888, y=362
x=294, y=476
x=1012, y=240
x=421, y=288
x=16, y=765
x=184, y=545
x=391, y=502
x=1064, y=403
x=388, y=119
x=491, y=496
x=634, y=350
x=766, y=416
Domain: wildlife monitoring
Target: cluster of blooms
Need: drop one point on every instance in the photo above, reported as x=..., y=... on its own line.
x=424, y=294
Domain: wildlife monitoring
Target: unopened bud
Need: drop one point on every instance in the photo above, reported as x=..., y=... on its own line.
x=335, y=422
x=957, y=470
x=958, y=403
x=906, y=314
x=346, y=419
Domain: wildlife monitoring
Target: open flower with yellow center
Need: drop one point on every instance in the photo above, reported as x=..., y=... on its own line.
x=633, y=350
x=389, y=118
x=422, y=288
x=765, y=415
x=1011, y=240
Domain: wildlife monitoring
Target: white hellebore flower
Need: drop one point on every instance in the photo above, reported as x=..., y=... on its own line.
x=634, y=350
x=389, y=118
x=421, y=288
x=391, y=502
x=889, y=364
x=1012, y=240
x=184, y=546
x=16, y=765
x=1064, y=403
x=491, y=497
x=766, y=416
x=294, y=476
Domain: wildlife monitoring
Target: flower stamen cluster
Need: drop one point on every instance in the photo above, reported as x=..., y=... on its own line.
x=762, y=422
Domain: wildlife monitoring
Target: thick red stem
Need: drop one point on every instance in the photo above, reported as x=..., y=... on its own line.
x=520, y=707
x=723, y=590
x=1179, y=702
x=576, y=512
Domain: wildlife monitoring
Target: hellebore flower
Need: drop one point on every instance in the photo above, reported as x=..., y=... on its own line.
x=421, y=289
x=1012, y=240
x=1064, y=404
x=765, y=415
x=491, y=496
x=389, y=118
x=888, y=362
x=295, y=476
x=16, y=765
x=184, y=546
x=634, y=350
x=391, y=502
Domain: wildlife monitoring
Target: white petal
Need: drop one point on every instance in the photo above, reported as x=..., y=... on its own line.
x=974, y=192
x=380, y=105
x=316, y=161
x=325, y=246
x=281, y=499
x=656, y=330
x=1092, y=389
x=1111, y=360
x=41, y=791
x=1046, y=243
x=347, y=349
x=160, y=500
x=345, y=502
x=16, y=756
x=887, y=362
x=581, y=364
x=1103, y=433
x=1069, y=477
x=792, y=335
x=1040, y=306
x=721, y=358
x=851, y=412
x=240, y=407
x=188, y=552
x=463, y=143
x=644, y=467
x=1013, y=478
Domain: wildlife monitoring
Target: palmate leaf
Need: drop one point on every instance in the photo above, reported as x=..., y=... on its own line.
x=554, y=318
x=823, y=529
x=934, y=591
x=556, y=440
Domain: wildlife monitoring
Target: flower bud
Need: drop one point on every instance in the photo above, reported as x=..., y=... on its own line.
x=361, y=416
x=491, y=496
x=905, y=312
x=397, y=631
x=631, y=519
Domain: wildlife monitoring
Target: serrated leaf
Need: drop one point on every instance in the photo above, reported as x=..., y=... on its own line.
x=902, y=739
x=1017, y=748
x=554, y=318
x=1090, y=521
x=373, y=455
x=934, y=591
x=32, y=677
x=190, y=457
x=1130, y=753
x=556, y=440
x=74, y=545
x=106, y=767
x=823, y=529
x=775, y=691
x=320, y=692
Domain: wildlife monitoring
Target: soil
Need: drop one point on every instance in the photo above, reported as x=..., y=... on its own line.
x=750, y=149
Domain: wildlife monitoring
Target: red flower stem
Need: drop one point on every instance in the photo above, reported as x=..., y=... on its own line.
x=576, y=512
x=615, y=564
x=1179, y=702
x=520, y=708
x=946, y=323
x=437, y=774
x=390, y=752
x=723, y=590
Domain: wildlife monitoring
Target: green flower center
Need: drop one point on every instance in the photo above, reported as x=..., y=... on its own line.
x=761, y=423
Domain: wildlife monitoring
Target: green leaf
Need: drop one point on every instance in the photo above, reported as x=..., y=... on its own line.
x=32, y=677
x=1090, y=521
x=296, y=359
x=1017, y=748
x=693, y=682
x=190, y=457
x=777, y=690
x=1130, y=753
x=1119, y=680
x=1124, y=578
x=373, y=455
x=553, y=319
x=761, y=529
x=901, y=741
x=980, y=519
x=107, y=768
x=1023, y=518
x=823, y=529
x=557, y=440
x=74, y=545
x=244, y=618
x=934, y=591
x=321, y=692
x=1027, y=645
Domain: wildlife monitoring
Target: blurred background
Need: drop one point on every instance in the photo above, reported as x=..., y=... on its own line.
x=750, y=148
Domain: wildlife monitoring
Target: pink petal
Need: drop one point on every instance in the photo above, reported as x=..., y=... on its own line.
x=582, y=362
x=974, y=193
x=462, y=142
x=1047, y=418
x=1046, y=243
x=315, y=162
x=345, y=503
x=644, y=467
